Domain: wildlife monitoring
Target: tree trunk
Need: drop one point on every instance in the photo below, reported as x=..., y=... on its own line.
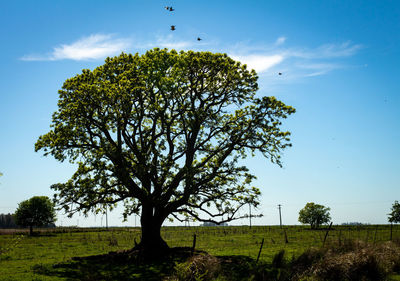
x=151, y=245
x=30, y=230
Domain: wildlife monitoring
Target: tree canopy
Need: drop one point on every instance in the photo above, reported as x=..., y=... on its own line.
x=163, y=133
x=37, y=211
x=314, y=215
x=394, y=215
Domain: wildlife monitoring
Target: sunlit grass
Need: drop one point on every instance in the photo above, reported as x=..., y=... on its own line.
x=21, y=254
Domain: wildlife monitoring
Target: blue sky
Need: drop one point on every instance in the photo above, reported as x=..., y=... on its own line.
x=340, y=68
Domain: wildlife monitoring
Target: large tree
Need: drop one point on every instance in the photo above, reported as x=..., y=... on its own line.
x=37, y=211
x=314, y=215
x=164, y=133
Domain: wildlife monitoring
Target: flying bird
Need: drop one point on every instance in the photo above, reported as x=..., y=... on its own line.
x=172, y=27
x=279, y=73
x=169, y=8
x=199, y=39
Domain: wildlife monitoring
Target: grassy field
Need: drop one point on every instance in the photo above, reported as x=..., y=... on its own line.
x=48, y=256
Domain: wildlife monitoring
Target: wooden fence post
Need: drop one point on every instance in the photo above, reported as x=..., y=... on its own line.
x=376, y=229
x=259, y=252
x=326, y=234
x=194, y=244
x=286, y=239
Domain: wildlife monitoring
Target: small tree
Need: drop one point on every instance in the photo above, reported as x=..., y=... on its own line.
x=37, y=211
x=314, y=215
x=394, y=215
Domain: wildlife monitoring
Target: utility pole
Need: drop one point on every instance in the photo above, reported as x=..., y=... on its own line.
x=280, y=216
x=250, y=214
x=106, y=218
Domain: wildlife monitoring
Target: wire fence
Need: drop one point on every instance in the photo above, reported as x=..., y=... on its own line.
x=222, y=241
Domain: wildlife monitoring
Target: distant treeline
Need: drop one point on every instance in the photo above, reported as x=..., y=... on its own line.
x=7, y=221
x=214, y=224
x=355, y=223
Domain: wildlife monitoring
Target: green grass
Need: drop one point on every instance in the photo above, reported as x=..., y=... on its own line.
x=48, y=256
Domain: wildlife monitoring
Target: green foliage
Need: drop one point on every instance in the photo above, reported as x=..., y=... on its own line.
x=37, y=211
x=394, y=215
x=163, y=133
x=314, y=215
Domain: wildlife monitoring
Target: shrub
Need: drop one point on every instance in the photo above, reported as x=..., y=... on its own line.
x=354, y=260
x=199, y=267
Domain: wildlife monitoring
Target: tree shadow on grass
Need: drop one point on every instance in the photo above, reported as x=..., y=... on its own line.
x=237, y=268
x=127, y=265
x=124, y=265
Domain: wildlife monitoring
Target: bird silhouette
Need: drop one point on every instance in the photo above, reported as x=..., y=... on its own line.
x=171, y=9
x=199, y=39
x=172, y=27
x=279, y=73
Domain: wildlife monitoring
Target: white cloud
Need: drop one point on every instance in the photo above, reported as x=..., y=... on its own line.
x=318, y=68
x=326, y=51
x=177, y=45
x=295, y=62
x=96, y=46
x=266, y=59
x=168, y=42
x=259, y=63
x=342, y=50
x=280, y=40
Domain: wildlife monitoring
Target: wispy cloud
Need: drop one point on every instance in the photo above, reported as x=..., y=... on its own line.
x=325, y=51
x=316, y=69
x=266, y=59
x=280, y=40
x=259, y=62
x=338, y=50
x=296, y=61
x=96, y=46
x=170, y=42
